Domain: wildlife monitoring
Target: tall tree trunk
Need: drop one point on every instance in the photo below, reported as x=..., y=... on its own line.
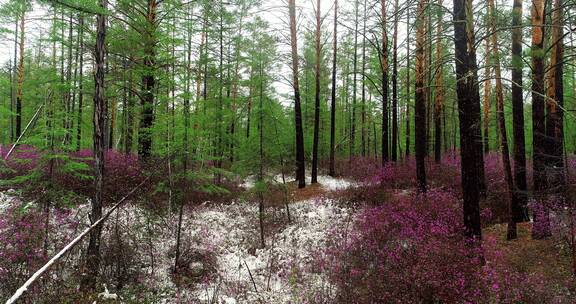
x=521, y=213
x=148, y=83
x=486, y=98
x=420, y=98
x=68, y=93
x=554, y=105
x=439, y=89
x=300, y=171
x=407, y=82
x=354, y=84
x=13, y=77
x=317, y=98
x=513, y=202
x=80, y=85
x=469, y=113
x=261, y=155
x=99, y=121
x=363, y=101
x=112, y=127
x=395, y=86
x=19, y=93
x=130, y=113
x=331, y=170
x=384, y=85
x=541, y=218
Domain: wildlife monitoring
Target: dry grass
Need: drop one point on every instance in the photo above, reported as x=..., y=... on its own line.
x=532, y=256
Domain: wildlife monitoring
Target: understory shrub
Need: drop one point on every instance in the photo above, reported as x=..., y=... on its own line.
x=412, y=250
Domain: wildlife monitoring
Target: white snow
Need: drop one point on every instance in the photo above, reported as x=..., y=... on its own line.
x=327, y=182
x=242, y=272
x=6, y=200
x=282, y=270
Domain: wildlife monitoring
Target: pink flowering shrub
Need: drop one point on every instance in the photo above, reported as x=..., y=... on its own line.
x=412, y=250
x=21, y=246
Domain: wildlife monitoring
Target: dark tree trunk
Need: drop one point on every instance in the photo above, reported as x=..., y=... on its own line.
x=395, y=87
x=486, y=98
x=384, y=79
x=80, y=86
x=469, y=113
x=317, y=99
x=439, y=90
x=363, y=98
x=541, y=219
x=420, y=99
x=99, y=121
x=554, y=106
x=354, y=85
x=148, y=84
x=408, y=82
x=513, y=201
x=331, y=170
x=19, y=92
x=521, y=213
x=300, y=171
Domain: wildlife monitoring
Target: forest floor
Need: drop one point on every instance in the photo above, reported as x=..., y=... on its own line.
x=222, y=260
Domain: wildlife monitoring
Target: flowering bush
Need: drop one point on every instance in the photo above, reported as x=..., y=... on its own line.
x=21, y=240
x=412, y=250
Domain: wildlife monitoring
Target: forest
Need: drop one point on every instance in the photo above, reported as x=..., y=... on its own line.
x=287, y=151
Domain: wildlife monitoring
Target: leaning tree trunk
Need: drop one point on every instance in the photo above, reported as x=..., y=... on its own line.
x=99, y=121
x=300, y=171
x=420, y=98
x=469, y=114
x=331, y=170
x=520, y=214
x=513, y=201
x=541, y=226
x=317, y=99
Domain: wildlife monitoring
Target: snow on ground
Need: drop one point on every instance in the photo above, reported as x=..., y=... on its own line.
x=276, y=274
x=7, y=198
x=240, y=271
x=327, y=182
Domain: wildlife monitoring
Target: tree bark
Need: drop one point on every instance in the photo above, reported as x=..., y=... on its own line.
x=520, y=214
x=384, y=85
x=420, y=99
x=439, y=90
x=300, y=171
x=469, y=113
x=317, y=98
x=541, y=219
x=504, y=150
x=408, y=82
x=99, y=121
x=395, y=86
x=554, y=105
x=148, y=83
x=19, y=92
x=331, y=170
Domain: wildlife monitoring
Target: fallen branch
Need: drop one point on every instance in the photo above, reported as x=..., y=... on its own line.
x=70, y=245
x=23, y=132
